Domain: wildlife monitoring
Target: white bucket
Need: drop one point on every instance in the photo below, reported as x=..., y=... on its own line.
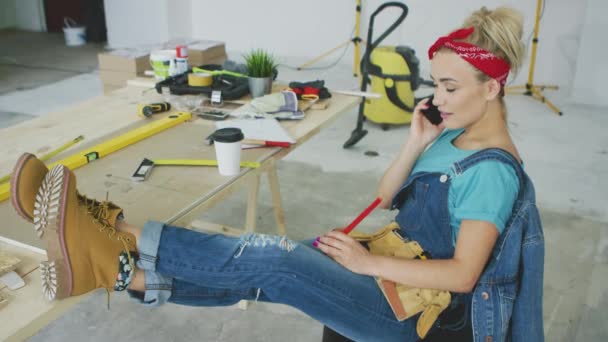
x=74, y=34
x=160, y=62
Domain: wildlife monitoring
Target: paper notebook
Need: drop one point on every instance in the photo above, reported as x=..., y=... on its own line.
x=263, y=129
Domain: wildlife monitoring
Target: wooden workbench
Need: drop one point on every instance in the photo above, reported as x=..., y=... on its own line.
x=171, y=194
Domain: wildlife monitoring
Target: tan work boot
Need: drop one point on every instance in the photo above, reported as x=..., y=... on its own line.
x=83, y=246
x=27, y=176
x=25, y=182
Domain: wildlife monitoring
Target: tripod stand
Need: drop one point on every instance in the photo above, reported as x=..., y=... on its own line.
x=356, y=40
x=530, y=89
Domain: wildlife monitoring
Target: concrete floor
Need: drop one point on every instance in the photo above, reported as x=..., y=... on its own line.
x=324, y=186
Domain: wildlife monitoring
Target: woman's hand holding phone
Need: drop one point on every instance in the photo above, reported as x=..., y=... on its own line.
x=422, y=130
x=432, y=112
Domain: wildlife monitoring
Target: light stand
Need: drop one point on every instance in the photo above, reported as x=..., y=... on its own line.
x=356, y=40
x=531, y=89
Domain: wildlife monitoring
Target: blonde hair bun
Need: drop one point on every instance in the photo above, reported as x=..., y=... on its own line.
x=498, y=31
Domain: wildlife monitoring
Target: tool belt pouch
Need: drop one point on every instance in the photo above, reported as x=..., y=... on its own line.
x=406, y=301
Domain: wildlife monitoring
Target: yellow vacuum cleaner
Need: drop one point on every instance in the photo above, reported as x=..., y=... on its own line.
x=392, y=71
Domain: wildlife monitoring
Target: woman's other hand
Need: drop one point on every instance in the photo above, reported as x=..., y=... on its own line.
x=347, y=251
x=422, y=131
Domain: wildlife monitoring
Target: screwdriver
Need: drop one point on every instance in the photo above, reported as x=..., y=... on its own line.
x=145, y=111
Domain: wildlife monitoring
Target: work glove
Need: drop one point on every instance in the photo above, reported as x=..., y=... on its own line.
x=310, y=88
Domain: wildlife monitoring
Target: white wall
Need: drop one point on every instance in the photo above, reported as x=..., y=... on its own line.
x=180, y=19
x=591, y=68
x=290, y=28
x=30, y=15
x=8, y=12
x=137, y=22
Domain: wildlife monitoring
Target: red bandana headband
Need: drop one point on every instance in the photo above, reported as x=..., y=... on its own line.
x=485, y=61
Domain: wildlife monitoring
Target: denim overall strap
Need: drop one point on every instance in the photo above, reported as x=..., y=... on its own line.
x=497, y=154
x=503, y=156
x=423, y=213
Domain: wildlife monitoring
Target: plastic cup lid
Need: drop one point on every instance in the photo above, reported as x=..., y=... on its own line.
x=228, y=135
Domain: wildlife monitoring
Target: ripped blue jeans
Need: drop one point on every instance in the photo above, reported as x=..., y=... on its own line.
x=196, y=269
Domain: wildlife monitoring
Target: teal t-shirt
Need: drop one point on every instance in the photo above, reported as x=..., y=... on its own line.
x=485, y=192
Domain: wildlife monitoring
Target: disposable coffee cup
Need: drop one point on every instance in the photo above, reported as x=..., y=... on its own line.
x=227, y=142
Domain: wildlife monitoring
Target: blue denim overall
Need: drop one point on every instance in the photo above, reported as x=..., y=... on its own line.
x=424, y=217
x=197, y=269
x=506, y=303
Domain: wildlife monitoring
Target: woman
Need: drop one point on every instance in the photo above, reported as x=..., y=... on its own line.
x=453, y=199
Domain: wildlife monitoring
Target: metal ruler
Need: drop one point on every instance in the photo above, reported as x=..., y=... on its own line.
x=200, y=162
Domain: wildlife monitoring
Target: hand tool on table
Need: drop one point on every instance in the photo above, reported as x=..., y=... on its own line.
x=145, y=167
x=259, y=142
x=218, y=72
x=146, y=110
x=51, y=154
x=211, y=114
x=268, y=143
x=110, y=146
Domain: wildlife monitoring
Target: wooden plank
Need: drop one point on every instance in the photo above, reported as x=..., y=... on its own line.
x=27, y=311
x=252, y=204
x=208, y=227
x=29, y=258
x=94, y=118
x=169, y=190
x=25, y=302
x=273, y=181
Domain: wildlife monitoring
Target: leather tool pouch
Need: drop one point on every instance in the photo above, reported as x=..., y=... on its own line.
x=406, y=301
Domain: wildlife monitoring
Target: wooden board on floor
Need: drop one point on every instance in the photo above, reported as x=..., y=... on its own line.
x=14, y=308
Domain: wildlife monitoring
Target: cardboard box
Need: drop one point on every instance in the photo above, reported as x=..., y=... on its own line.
x=215, y=60
x=133, y=61
x=107, y=89
x=115, y=78
x=206, y=52
x=116, y=67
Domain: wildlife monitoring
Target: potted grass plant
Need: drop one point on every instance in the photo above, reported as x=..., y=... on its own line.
x=261, y=69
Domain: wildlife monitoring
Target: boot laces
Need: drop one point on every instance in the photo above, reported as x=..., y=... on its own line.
x=100, y=212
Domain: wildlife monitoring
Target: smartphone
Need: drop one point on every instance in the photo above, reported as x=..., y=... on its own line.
x=432, y=113
x=214, y=115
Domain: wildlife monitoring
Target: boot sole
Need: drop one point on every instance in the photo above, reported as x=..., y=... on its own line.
x=15, y=200
x=49, y=224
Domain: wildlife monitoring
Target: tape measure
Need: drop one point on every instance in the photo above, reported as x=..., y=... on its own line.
x=199, y=79
x=200, y=162
x=145, y=167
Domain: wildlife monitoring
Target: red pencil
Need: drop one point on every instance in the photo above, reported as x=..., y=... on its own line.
x=361, y=216
x=266, y=142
